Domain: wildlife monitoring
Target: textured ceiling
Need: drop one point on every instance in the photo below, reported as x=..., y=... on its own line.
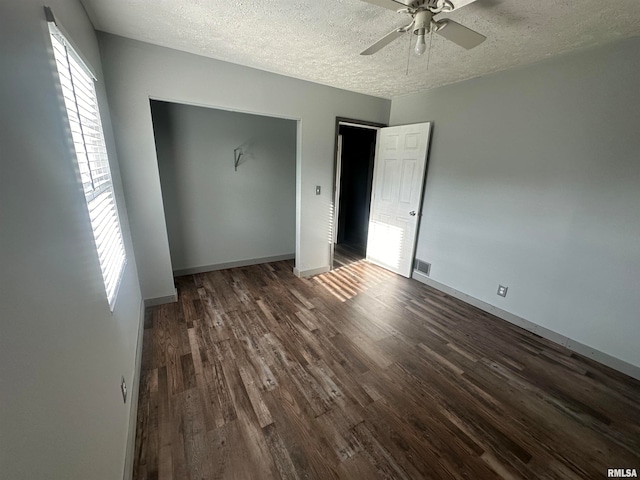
x=320, y=40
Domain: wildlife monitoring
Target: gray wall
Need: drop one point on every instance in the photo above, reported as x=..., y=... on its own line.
x=135, y=71
x=534, y=183
x=62, y=352
x=214, y=214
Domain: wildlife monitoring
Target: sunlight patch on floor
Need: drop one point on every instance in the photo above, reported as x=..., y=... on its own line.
x=348, y=281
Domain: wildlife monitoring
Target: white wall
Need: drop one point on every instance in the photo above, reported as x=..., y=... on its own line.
x=136, y=71
x=216, y=215
x=62, y=352
x=534, y=183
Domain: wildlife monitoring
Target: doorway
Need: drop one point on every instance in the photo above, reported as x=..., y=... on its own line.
x=355, y=154
x=228, y=184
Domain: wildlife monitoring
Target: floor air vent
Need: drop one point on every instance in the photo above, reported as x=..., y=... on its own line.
x=422, y=267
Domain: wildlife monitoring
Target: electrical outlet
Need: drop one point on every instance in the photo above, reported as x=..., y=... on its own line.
x=123, y=387
x=502, y=290
x=318, y=190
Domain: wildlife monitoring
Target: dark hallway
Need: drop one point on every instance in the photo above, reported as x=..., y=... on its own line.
x=356, y=177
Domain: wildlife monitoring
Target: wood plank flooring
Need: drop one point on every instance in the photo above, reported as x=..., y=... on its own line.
x=346, y=254
x=361, y=374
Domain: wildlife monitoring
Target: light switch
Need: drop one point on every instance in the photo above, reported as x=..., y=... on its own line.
x=318, y=190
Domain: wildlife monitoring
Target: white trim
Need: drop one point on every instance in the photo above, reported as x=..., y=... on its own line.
x=239, y=263
x=154, y=302
x=311, y=272
x=582, y=349
x=359, y=125
x=336, y=195
x=218, y=107
x=133, y=400
x=51, y=19
x=112, y=302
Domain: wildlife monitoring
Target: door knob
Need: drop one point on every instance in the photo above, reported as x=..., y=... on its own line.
x=412, y=213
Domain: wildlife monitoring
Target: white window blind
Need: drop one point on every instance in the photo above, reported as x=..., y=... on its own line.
x=81, y=104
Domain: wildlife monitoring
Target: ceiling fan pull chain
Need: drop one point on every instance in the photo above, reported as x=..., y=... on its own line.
x=429, y=54
x=409, y=55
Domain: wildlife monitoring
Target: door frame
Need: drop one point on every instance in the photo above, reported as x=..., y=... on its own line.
x=337, y=157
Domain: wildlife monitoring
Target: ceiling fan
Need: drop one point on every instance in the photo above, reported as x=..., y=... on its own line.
x=422, y=22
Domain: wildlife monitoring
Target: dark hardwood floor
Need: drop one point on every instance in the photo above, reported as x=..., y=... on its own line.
x=345, y=254
x=361, y=374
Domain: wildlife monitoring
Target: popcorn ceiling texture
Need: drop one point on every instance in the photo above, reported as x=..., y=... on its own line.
x=320, y=40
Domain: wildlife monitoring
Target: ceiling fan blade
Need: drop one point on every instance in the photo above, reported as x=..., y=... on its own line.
x=463, y=36
x=384, y=41
x=390, y=4
x=459, y=4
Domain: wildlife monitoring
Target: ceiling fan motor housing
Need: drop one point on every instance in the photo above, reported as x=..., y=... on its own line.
x=422, y=22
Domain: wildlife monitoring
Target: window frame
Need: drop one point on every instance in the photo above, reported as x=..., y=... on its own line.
x=76, y=82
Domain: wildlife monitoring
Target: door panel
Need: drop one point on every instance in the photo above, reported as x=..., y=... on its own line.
x=406, y=182
x=397, y=190
x=387, y=179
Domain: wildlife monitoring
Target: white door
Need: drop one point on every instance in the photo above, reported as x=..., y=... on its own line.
x=398, y=178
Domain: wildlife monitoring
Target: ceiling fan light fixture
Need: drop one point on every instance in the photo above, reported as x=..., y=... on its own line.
x=421, y=44
x=422, y=22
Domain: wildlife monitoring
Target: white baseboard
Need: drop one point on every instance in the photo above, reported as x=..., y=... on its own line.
x=571, y=344
x=133, y=401
x=240, y=263
x=311, y=272
x=152, y=302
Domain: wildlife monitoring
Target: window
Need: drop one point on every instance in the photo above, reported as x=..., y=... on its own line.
x=85, y=126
